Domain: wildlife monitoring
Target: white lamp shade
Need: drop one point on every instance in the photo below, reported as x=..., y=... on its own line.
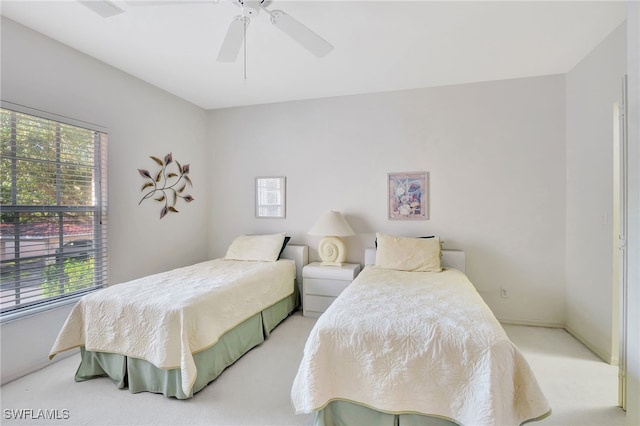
x=332, y=224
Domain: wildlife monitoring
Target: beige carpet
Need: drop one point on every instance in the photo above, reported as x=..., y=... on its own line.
x=582, y=389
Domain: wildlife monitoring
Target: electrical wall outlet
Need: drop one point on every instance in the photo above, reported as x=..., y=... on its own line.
x=504, y=293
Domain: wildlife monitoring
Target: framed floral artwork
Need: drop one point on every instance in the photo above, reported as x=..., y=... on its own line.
x=408, y=196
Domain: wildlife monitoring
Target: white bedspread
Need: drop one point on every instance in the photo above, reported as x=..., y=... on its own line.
x=417, y=342
x=167, y=317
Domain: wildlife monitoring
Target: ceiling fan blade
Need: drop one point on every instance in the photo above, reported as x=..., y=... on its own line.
x=103, y=8
x=233, y=40
x=300, y=33
x=146, y=3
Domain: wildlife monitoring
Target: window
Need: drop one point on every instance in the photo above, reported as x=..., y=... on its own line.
x=53, y=210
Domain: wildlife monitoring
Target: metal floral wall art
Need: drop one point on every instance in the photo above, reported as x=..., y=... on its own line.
x=167, y=185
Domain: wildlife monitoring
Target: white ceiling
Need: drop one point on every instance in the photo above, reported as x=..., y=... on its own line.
x=379, y=45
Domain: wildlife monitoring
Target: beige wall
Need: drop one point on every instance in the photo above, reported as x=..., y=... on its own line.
x=593, y=87
x=495, y=153
x=142, y=120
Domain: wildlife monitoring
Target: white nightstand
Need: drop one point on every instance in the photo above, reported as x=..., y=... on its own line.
x=322, y=284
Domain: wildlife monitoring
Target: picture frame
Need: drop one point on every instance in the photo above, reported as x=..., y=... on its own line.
x=271, y=194
x=408, y=196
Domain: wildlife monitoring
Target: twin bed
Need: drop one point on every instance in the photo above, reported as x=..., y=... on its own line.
x=409, y=343
x=174, y=332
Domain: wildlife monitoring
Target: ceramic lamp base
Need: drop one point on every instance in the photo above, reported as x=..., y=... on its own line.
x=332, y=251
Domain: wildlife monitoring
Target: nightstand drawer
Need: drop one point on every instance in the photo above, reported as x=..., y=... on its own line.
x=346, y=272
x=317, y=303
x=324, y=287
x=322, y=284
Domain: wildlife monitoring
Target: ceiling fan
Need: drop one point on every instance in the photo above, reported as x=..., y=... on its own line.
x=236, y=34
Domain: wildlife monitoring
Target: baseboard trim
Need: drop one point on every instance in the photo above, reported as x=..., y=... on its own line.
x=38, y=366
x=532, y=323
x=604, y=355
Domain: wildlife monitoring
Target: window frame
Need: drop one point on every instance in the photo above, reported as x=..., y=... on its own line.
x=97, y=210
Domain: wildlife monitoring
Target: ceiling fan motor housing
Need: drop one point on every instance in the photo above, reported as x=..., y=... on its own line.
x=251, y=7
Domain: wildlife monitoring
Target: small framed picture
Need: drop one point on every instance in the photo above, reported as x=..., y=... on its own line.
x=408, y=197
x=271, y=196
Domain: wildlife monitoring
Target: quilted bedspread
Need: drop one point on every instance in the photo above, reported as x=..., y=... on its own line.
x=165, y=318
x=417, y=342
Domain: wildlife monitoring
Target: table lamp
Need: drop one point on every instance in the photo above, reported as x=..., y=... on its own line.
x=332, y=225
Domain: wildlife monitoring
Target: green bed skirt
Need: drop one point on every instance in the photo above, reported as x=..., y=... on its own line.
x=141, y=376
x=343, y=413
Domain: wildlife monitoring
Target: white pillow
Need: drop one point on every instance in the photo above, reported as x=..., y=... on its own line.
x=265, y=248
x=408, y=254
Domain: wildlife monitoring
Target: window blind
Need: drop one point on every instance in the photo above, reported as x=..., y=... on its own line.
x=53, y=211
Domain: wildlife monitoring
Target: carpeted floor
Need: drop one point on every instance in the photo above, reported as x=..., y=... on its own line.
x=581, y=389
